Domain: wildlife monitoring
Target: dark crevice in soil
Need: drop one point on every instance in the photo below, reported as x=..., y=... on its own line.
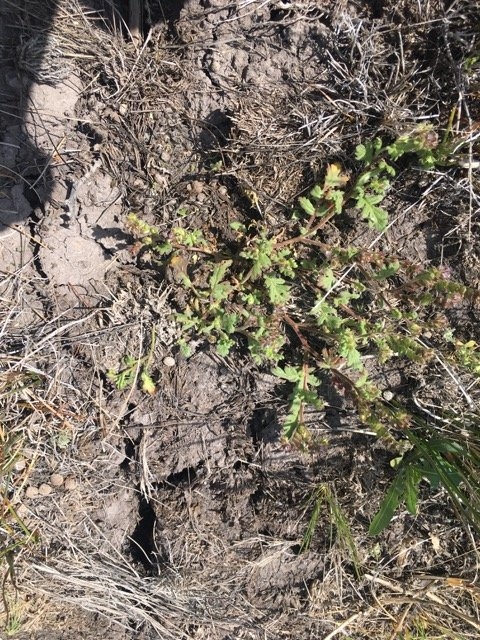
x=264, y=426
x=377, y=7
x=216, y=130
x=32, y=195
x=33, y=222
x=277, y=15
x=142, y=546
x=256, y=497
x=167, y=11
x=185, y=476
x=94, y=137
x=130, y=448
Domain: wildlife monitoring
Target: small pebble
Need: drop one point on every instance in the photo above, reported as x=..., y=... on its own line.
x=122, y=109
x=168, y=361
x=20, y=465
x=45, y=489
x=201, y=197
x=31, y=492
x=22, y=510
x=56, y=480
x=70, y=483
x=387, y=395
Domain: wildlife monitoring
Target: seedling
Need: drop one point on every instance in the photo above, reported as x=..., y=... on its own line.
x=302, y=395
x=133, y=369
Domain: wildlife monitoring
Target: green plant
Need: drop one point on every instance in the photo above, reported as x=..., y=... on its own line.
x=428, y=630
x=14, y=621
x=450, y=458
x=15, y=394
x=14, y=533
x=309, y=309
x=134, y=368
x=340, y=532
x=302, y=394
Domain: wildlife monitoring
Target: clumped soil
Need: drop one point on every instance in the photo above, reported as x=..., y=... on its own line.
x=182, y=514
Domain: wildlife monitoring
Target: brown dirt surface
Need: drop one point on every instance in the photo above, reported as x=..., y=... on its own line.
x=182, y=514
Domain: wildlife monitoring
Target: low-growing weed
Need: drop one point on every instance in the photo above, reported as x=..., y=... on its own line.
x=303, y=393
x=133, y=369
x=310, y=309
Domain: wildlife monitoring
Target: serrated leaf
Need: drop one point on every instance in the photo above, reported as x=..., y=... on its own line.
x=335, y=177
x=224, y=345
x=185, y=348
x=347, y=348
x=229, y=322
x=345, y=297
x=306, y=205
x=360, y=151
x=163, y=249
x=376, y=216
x=219, y=273
x=375, y=198
x=148, y=386
x=287, y=373
x=260, y=254
x=328, y=279
x=395, y=462
x=124, y=378
x=327, y=316
x=385, y=166
x=278, y=290
x=221, y=291
x=377, y=144
x=387, y=271
x=323, y=209
x=336, y=197
x=362, y=180
x=317, y=192
x=238, y=226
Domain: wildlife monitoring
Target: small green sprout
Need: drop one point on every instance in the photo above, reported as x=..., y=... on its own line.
x=133, y=369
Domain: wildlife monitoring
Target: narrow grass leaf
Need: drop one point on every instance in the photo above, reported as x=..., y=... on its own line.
x=390, y=503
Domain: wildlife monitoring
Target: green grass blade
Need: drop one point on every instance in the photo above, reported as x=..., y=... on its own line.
x=389, y=504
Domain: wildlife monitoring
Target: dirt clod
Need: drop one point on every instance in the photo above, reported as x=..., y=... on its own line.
x=56, y=480
x=70, y=483
x=45, y=489
x=31, y=492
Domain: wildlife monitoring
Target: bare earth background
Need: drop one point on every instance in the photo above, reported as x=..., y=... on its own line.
x=181, y=515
